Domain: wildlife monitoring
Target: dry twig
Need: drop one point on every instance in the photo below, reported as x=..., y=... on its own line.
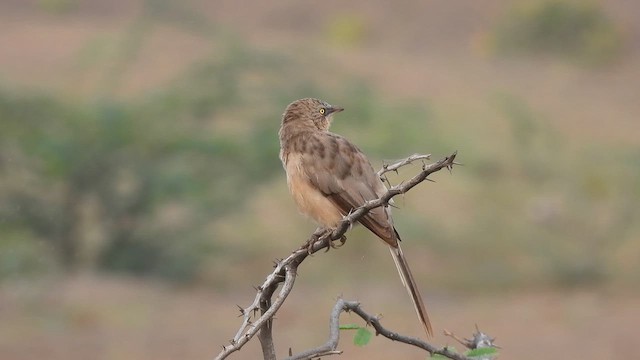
x=397, y=165
x=329, y=348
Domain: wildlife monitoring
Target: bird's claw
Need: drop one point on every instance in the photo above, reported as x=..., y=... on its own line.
x=342, y=240
x=324, y=235
x=331, y=244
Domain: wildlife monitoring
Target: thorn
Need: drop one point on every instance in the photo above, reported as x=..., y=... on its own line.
x=241, y=310
x=385, y=179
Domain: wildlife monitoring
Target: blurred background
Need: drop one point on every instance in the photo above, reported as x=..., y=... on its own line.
x=141, y=195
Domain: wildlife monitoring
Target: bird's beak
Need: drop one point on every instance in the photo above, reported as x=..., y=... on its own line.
x=334, y=109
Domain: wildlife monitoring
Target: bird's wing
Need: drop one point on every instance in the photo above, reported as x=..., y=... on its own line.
x=344, y=175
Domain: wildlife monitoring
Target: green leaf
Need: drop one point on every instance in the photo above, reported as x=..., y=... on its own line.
x=482, y=352
x=349, y=327
x=362, y=337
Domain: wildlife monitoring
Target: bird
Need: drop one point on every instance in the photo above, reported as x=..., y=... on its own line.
x=328, y=177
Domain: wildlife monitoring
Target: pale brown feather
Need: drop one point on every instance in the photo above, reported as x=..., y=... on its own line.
x=410, y=284
x=345, y=176
x=309, y=200
x=349, y=181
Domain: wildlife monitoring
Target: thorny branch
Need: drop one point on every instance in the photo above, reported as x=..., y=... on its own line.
x=285, y=270
x=329, y=348
x=358, y=213
x=397, y=165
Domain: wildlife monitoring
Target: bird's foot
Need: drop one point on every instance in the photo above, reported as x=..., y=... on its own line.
x=319, y=234
x=342, y=240
x=324, y=235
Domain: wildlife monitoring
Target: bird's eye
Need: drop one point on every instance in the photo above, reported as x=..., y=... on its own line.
x=323, y=111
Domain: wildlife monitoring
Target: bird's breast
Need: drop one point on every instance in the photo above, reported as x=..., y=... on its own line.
x=310, y=201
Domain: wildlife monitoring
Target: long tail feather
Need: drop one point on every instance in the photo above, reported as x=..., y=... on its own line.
x=410, y=284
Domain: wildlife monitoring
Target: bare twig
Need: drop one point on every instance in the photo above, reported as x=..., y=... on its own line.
x=265, y=335
x=249, y=328
x=358, y=213
x=480, y=340
x=380, y=330
x=397, y=165
x=285, y=270
x=329, y=348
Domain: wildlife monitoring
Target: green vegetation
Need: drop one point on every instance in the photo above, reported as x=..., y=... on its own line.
x=574, y=29
x=551, y=213
x=128, y=186
x=170, y=183
x=135, y=186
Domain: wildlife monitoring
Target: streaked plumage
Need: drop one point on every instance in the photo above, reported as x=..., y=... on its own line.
x=329, y=176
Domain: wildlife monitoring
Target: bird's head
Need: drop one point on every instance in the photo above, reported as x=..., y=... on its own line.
x=311, y=113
